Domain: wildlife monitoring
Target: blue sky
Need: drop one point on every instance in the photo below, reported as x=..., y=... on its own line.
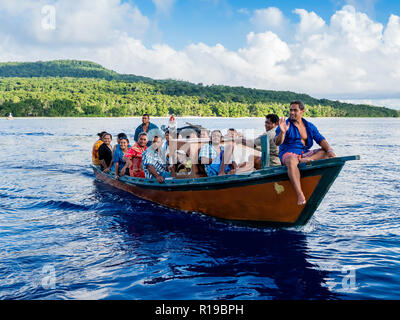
x=337, y=49
x=227, y=21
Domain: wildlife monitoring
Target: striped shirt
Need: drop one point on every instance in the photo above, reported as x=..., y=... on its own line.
x=151, y=157
x=209, y=151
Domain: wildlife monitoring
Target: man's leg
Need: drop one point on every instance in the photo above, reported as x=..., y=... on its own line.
x=292, y=163
x=319, y=155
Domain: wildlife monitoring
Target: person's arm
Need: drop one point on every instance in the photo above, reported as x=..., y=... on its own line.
x=205, y=160
x=327, y=148
x=154, y=173
x=104, y=165
x=128, y=164
x=102, y=161
x=283, y=128
x=320, y=139
x=205, y=150
x=226, y=158
x=116, y=170
x=234, y=167
x=251, y=143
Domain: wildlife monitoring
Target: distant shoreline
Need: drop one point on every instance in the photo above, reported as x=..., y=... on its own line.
x=185, y=117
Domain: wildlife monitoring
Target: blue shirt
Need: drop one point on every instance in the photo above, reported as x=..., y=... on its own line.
x=151, y=132
x=293, y=143
x=208, y=151
x=117, y=158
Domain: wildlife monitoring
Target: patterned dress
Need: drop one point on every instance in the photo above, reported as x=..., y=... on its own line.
x=135, y=154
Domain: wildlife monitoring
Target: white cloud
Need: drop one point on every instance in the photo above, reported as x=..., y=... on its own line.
x=366, y=6
x=77, y=22
x=310, y=23
x=269, y=19
x=357, y=28
x=391, y=35
x=349, y=56
x=164, y=6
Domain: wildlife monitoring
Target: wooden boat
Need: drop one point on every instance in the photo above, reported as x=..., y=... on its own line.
x=264, y=196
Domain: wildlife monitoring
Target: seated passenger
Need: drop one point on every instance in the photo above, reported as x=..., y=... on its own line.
x=105, y=153
x=295, y=137
x=165, y=147
x=119, y=137
x=204, y=139
x=242, y=157
x=120, y=165
x=154, y=166
x=133, y=157
x=212, y=156
x=271, y=123
x=95, y=149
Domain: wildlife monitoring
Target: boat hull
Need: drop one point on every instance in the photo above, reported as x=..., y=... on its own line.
x=266, y=196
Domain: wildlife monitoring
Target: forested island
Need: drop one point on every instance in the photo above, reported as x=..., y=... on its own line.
x=70, y=88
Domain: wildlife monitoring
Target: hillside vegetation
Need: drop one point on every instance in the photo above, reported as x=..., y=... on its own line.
x=83, y=88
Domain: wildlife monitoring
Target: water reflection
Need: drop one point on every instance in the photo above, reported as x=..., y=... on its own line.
x=217, y=260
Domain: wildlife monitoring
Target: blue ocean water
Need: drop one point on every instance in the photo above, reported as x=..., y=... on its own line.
x=64, y=235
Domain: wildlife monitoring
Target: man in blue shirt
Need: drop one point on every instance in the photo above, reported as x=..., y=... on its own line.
x=295, y=137
x=150, y=128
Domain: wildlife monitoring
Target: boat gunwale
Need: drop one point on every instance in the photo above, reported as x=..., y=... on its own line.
x=226, y=180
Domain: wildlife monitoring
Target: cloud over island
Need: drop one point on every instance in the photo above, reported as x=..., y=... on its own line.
x=350, y=56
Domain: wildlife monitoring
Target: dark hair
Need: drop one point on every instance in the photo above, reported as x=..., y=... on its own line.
x=122, y=136
x=143, y=134
x=273, y=118
x=219, y=131
x=299, y=103
x=101, y=134
x=107, y=134
x=146, y=115
x=232, y=129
